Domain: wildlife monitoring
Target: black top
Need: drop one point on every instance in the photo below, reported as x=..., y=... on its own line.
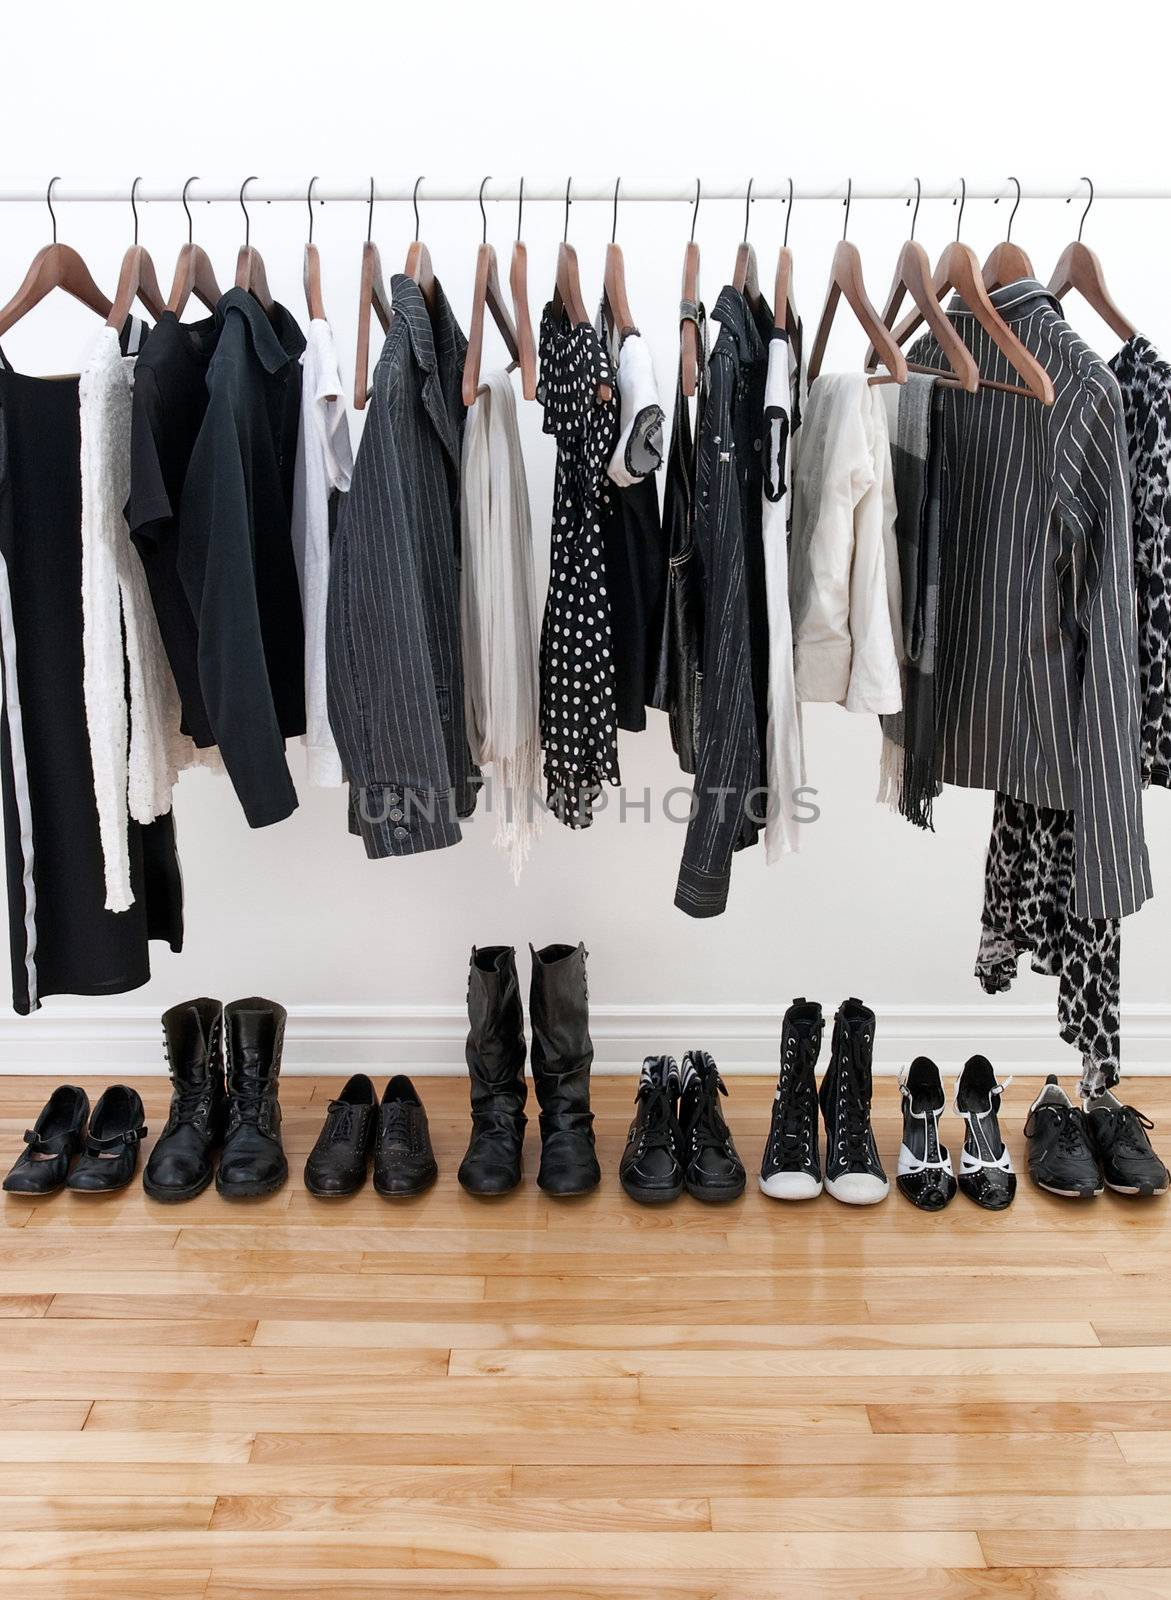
x=170, y=399
x=236, y=555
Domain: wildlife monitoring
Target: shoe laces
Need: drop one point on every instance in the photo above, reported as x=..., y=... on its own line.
x=853, y=1115
x=708, y=1127
x=187, y=1099
x=791, y=1125
x=342, y=1116
x=247, y=1093
x=1071, y=1133
x=396, y=1122
x=1129, y=1131
x=660, y=1127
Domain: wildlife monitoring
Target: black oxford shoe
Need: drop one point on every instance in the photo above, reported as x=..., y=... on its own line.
x=51, y=1143
x=338, y=1161
x=404, y=1163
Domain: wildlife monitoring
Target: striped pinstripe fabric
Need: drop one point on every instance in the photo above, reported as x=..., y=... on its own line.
x=1037, y=675
x=393, y=656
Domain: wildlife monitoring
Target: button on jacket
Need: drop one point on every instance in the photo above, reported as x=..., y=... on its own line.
x=236, y=554
x=730, y=796
x=1037, y=665
x=394, y=663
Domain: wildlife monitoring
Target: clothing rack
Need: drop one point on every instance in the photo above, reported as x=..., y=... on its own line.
x=213, y=191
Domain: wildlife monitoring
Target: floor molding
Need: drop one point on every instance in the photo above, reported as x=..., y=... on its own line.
x=83, y=1040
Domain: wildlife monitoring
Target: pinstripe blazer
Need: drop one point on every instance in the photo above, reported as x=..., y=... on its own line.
x=1037, y=656
x=393, y=661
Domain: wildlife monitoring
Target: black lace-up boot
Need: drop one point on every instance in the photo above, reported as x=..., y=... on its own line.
x=563, y=1052
x=183, y=1161
x=253, y=1160
x=853, y=1172
x=496, y=1063
x=790, y=1168
x=711, y=1168
x=651, y=1169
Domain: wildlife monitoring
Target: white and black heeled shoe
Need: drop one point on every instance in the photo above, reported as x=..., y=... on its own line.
x=986, y=1174
x=924, y=1171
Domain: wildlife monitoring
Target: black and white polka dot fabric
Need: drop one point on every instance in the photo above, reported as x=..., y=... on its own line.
x=578, y=707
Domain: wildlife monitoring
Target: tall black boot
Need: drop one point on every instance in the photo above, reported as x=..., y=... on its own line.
x=563, y=1052
x=496, y=1062
x=182, y=1162
x=253, y=1161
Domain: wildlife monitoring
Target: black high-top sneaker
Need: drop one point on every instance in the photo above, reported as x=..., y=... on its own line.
x=651, y=1169
x=1061, y=1154
x=711, y=1168
x=986, y=1174
x=853, y=1172
x=790, y=1168
x=1119, y=1133
x=924, y=1173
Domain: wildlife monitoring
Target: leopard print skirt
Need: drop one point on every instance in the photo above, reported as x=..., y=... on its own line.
x=1028, y=894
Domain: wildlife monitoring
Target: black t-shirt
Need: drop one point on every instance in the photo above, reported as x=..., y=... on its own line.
x=170, y=399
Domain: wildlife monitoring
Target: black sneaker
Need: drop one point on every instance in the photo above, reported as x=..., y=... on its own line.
x=853, y=1172
x=1119, y=1134
x=651, y=1169
x=1061, y=1152
x=924, y=1173
x=790, y=1168
x=711, y=1168
x=986, y=1174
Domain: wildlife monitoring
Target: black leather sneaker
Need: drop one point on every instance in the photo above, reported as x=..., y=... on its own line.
x=51, y=1143
x=404, y=1163
x=338, y=1161
x=1061, y=1154
x=651, y=1169
x=711, y=1168
x=790, y=1168
x=1119, y=1134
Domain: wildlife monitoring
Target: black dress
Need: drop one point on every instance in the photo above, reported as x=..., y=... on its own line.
x=63, y=940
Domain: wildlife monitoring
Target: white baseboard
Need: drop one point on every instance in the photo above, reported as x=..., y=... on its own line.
x=85, y=1039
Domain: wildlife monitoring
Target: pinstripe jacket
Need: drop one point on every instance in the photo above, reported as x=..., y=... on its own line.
x=1037, y=677
x=393, y=661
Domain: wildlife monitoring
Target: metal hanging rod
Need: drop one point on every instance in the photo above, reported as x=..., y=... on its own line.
x=392, y=189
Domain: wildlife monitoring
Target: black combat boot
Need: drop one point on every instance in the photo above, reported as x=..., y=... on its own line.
x=253, y=1162
x=183, y=1161
x=496, y=1062
x=559, y=1018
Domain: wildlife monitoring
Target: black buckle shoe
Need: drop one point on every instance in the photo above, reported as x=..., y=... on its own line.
x=116, y=1129
x=50, y=1144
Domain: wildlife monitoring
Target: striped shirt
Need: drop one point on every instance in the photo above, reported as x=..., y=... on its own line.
x=1037, y=677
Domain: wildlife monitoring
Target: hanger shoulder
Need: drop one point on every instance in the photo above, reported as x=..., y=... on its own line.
x=1006, y=264
x=913, y=276
x=1080, y=269
x=568, y=284
x=194, y=275
x=618, y=311
x=56, y=266
x=518, y=279
x=846, y=282
x=311, y=277
x=372, y=296
x=419, y=268
x=251, y=276
x=963, y=274
x=137, y=281
x=688, y=332
x=486, y=296
x=745, y=275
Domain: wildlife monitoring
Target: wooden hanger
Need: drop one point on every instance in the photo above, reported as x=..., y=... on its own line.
x=518, y=282
x=689, y=295
x=56, y=266
x=1080, y=269
x=137, y=280
x=846, y=282
x=567, y=295
x=250, y=273
x=372, y=295
x=913, y=277
x=1007, y=263
x=486, y=295
x=194, y=273
x=745, y=278
x=615, y=305
x=311, y=275
x=784, y=312
x=418, y=264
x=958, y=269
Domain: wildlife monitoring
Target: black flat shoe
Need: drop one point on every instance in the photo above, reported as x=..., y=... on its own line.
x=404, y=1163
x=924, y=1173
x=338, y=1161
x=52, y=1142
x=986, y=1174
x=116, y=1130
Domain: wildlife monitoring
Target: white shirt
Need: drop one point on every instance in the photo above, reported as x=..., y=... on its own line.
x=785, y=758
x=325, y=463
x=844, y=570
x=136, y=751
x=639, y=450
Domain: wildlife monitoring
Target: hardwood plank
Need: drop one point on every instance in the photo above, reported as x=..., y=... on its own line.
x=1037, y=1547
x=100, y=1444
x=79, y=1513
x=1089, y=1416
x=20, y=1416
x=1015, y=1510
x=381, y=1513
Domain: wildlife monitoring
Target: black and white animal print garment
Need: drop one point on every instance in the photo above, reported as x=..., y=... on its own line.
x=578, y=705
x=1028, y=895
x=1145, y=380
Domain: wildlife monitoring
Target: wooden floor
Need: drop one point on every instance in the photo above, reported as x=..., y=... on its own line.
x=587, y=1399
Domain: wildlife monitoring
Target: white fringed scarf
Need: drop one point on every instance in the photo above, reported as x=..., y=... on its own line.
x=498, y=614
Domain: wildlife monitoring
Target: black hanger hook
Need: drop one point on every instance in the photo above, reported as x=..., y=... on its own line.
x=520, y=207
x=483, y=214
x=918, y=198
x=961, y=201
x=747, y=207
x=187, y=209
x=309, y=203
x=788, y=216
x=1016, y=207
x=568, y=203
x=134, y=206
x=1086, y=212
x=846, y=202
x=415, y=204
x=614, y=223
x=695, y=210
x=49, y=203
x=244, y=209
x=370, y=214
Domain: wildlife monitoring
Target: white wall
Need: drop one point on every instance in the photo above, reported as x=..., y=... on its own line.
x=871, y=907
